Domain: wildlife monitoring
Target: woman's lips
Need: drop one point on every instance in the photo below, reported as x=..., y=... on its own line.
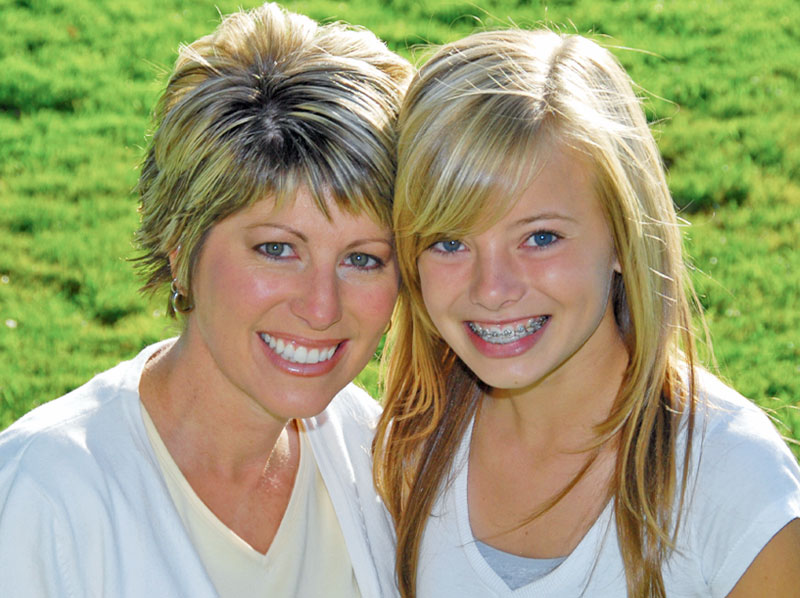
x=302, y=357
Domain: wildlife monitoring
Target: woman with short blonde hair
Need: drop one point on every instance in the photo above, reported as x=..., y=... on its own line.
x=233, y=460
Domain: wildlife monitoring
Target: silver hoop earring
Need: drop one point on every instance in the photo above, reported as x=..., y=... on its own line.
x=179, y=302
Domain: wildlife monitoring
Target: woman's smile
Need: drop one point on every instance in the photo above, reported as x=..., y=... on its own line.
x=301, y=357
x=290, y=303
x=296, y=352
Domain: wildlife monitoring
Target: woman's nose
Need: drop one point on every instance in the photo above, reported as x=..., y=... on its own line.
x=318, y=301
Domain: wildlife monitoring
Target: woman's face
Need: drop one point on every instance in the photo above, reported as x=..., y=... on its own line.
x=289, y=305
x=527, y=301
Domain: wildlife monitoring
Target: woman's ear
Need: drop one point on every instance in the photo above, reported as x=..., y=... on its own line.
x=173, y=256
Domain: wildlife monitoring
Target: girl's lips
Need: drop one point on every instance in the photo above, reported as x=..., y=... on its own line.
x=509, y=339
x=509, y=331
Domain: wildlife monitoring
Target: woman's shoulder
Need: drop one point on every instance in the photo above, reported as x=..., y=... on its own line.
x=343, y=432
x=70, y=428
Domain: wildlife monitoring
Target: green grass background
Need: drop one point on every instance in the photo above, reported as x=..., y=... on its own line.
x=78, y=79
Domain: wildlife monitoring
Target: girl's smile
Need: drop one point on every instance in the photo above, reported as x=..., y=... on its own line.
x=506, y=339
x=527, y=300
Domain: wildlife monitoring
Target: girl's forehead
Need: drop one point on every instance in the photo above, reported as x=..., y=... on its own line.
x=551, y=181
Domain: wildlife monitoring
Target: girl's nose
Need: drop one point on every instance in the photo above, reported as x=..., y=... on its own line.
x=495, y=281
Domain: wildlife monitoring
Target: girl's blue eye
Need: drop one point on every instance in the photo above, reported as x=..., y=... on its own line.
x=363, y=261
x=542, y=239
x=448, y=246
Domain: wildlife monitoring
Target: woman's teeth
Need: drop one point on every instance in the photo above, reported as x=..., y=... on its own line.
x=298, y=353
x=502, y=335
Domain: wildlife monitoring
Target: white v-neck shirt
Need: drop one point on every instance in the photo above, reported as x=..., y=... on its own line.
x=744, y=486
x=85, y=511
x=307, y=557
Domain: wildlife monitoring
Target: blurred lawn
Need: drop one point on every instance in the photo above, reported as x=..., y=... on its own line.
x=78, y=79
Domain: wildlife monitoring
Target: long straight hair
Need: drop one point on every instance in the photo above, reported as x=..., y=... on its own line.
x=475, y=127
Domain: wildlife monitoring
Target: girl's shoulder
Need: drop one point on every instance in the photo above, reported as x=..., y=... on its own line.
x=738, y=452
x=725, y=418
x=743, y=486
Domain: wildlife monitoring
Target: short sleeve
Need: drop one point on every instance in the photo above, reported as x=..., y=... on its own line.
x=35, y=558
x=747, y=489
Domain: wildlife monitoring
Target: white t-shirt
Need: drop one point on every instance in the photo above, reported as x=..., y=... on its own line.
x=307, y=557
x=744, y=486
x=85, y=511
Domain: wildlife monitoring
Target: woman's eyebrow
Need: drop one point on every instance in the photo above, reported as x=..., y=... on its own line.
x=283, y=227
x=292, y=231
x=367, y=240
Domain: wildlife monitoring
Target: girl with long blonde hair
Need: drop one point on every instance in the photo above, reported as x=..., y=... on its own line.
x=547, y=428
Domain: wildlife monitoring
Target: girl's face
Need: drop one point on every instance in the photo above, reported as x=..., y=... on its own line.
x=527, y=302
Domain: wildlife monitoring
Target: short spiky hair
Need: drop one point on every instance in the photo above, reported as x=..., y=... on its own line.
x=269, y=102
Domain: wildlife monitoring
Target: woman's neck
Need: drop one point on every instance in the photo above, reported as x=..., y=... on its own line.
x=239, y=460
x=206, y=428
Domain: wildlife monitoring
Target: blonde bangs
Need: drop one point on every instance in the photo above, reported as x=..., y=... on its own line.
x=451, y=186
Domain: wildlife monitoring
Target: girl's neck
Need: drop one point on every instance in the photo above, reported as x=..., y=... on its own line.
x=560, y=412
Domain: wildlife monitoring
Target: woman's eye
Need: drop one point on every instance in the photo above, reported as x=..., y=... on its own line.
x=276, y=250
x=542, y=239
x=363, y=261
x=448, y=246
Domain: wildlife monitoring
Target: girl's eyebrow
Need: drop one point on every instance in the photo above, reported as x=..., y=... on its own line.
x=543, y=216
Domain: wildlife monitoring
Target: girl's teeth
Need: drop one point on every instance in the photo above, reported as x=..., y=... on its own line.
x=502, y=335
x=298, y=353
